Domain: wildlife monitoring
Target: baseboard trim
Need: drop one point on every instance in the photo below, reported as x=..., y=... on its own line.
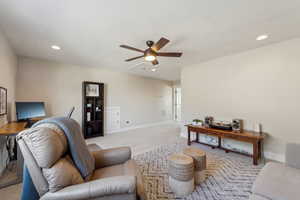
x=139, y=126
x=183, y=134
x=275, y=156
x=268, y=155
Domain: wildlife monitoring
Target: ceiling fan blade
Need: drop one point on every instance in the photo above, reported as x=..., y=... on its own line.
x=130, y=59
x=169, y=54
x=155, y=62
x=160, y=44
x=131, y=48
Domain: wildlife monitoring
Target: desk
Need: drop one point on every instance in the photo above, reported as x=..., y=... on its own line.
x=12, y=128
x=246, y=136
x=9, y=130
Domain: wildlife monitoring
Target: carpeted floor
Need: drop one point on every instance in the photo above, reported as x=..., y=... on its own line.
x=229, y=176
x=140, y=140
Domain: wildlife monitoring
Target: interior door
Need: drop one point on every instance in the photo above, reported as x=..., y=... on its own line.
x=177, y=104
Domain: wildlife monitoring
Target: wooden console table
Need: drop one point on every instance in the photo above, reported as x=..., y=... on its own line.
x=246, y=136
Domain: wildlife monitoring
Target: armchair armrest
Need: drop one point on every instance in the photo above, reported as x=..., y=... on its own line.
x=113, y=156
x=95, y=189
x=292, y=155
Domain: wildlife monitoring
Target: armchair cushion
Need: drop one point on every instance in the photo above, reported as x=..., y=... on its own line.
x=82, y=158
x=58, y=131
x=95, y=189
x=277, y=182
x=106, y=172
x=257, y=197
x=292, y=155
x=45, y=144
x=63, y=173
x=113, y=156
x=129, y=168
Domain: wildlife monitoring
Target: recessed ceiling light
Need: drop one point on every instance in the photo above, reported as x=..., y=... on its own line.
x=55, y=47
x=262, y=37
x=153, y=69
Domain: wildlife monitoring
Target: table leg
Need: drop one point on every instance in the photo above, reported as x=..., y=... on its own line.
x=20, y=163
x=259, y=149
x=255, y=152
x=219, y=142
x=197, y=137
x=189, y=137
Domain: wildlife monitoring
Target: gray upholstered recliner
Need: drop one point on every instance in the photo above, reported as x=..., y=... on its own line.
x=278, y=181
x=55, y=176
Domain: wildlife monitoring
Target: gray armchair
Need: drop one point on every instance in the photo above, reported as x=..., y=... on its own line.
x=278, y=181
x=55, y=177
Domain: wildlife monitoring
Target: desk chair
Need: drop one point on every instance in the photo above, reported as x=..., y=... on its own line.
x=71, y=112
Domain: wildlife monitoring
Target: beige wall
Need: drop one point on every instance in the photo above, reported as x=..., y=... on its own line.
x=259, y=86
x=142, y=100
x=8, y=68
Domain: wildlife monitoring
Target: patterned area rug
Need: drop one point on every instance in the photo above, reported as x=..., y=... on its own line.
x=228, y=176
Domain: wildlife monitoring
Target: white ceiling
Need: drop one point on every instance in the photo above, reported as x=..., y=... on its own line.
x=90, y=31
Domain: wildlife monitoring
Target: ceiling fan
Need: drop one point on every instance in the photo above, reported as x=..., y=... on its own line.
x=152, y=52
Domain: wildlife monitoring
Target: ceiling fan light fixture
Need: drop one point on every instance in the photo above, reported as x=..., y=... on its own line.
x=56, y=47
x=150, y=58
x=262, y=37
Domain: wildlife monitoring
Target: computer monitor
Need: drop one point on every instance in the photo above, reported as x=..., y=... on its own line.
x=28, y=110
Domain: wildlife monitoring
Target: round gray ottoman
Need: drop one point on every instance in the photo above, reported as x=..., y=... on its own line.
x=199, y=158
x=181, y=174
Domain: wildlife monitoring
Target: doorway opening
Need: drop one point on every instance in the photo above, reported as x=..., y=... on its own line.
x=177, y=104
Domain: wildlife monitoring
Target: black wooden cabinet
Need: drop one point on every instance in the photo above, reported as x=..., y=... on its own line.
x=92, y=109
